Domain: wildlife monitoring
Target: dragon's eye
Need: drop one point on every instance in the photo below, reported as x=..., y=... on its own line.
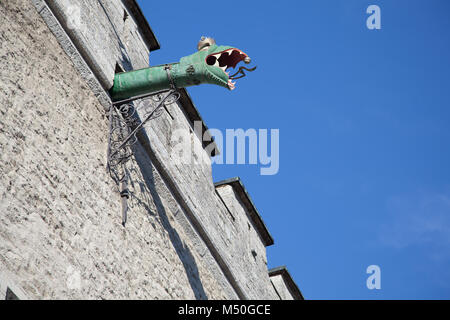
x=211, y=60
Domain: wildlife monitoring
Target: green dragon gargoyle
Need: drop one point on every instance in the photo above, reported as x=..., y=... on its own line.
x=208, y=65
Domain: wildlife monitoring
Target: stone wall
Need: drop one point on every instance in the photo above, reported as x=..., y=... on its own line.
x=231, y=241
x=60, y=233
x=245, y=245
x=105, y=32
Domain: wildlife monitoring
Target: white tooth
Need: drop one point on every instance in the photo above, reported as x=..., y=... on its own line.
x=216, y=64
x=217, y=55
x=223, y=68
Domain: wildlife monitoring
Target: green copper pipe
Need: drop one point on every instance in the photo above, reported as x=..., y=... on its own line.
x=208, y=65
x=142, y=81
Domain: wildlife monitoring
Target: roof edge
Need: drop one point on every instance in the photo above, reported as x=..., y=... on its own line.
x=256, y=218
x=292, y=286
x=143, y=24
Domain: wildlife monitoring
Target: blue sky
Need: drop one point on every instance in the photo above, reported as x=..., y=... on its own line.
x=364, y=124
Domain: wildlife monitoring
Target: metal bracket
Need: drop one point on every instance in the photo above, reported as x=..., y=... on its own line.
x=241, y=72
x=124, y=124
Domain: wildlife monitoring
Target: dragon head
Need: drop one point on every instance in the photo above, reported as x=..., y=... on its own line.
x=210, y=64
x=213, y=62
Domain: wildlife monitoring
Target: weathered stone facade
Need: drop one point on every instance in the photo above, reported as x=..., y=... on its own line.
x=60, y=230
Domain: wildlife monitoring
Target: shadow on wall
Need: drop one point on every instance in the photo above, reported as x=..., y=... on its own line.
x=125, y=59
x=181, y=249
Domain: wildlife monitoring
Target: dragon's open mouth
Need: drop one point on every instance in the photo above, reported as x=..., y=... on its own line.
x=226, y=59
